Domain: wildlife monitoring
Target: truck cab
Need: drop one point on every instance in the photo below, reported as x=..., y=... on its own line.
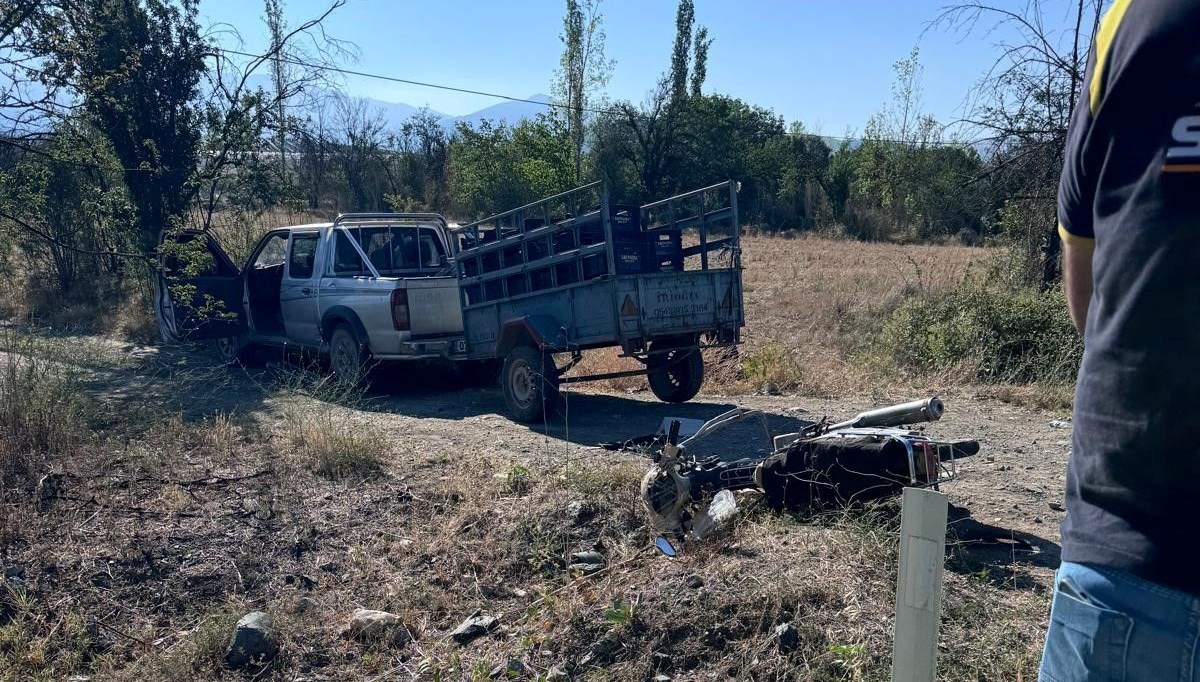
x=365, y=287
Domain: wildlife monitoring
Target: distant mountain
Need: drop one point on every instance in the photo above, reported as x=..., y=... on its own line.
x=509, y=112
x=396, y=113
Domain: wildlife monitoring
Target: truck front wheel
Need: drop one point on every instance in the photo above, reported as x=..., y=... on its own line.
x=676, y=376
x=530, y=380
x=236, y=350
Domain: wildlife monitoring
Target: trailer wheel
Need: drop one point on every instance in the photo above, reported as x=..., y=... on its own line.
x=347, y=357
x=676, y=377
x=530, y=381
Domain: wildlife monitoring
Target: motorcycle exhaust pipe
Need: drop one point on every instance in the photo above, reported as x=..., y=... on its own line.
x=928, y=410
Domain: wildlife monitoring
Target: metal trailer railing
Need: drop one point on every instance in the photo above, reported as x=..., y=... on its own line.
x=553, y=242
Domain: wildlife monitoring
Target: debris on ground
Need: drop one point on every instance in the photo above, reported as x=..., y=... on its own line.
x=586, y=563
x=511, y=669
x=786, y=637
x=473, y=628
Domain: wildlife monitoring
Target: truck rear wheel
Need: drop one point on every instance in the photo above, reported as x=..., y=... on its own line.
x=347, y=357
x=676, y=376
x=530, y=381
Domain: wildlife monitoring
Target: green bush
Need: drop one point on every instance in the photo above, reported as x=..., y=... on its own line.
x=44, y=412
x=1016, y=336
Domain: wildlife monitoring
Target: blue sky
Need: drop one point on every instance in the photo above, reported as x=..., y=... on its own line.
x=827, y=63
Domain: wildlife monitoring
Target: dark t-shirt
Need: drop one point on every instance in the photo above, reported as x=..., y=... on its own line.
x=1131, y=183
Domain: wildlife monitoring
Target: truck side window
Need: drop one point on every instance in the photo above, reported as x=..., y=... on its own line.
x=346, y=260
x=273, y=253
x=304, y=254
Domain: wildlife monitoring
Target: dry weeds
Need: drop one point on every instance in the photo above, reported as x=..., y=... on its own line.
x=811, y=304
x=162, y=527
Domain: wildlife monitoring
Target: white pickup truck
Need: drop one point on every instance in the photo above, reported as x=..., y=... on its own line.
x=364, y=287
x=532, y=288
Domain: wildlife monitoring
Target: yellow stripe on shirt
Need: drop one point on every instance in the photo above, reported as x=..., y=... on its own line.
x=1104, y=40
x=1069, y=238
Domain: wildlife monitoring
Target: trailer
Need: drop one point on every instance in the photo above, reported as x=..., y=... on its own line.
x=542, y=283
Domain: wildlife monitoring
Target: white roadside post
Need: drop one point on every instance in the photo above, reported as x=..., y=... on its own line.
x=919, y=585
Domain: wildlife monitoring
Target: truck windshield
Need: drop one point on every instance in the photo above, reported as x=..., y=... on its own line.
x=396, y=250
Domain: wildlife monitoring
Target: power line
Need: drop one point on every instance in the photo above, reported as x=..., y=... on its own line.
x=407, y=81
x=553, y=105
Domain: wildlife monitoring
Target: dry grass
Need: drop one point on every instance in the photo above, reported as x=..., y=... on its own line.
x=43, y=411
x=253, y=522
x=163, y=529
x=811, y=304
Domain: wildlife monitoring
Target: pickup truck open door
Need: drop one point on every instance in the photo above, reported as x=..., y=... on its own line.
x=198, y=290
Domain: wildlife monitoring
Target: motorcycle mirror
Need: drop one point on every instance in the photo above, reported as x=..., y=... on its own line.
x=664, y=545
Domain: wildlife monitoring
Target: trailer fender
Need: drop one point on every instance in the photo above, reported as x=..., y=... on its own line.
x=541, y=331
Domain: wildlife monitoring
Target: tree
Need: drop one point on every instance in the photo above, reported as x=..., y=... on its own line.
x=279, y=78
x=138, y=66
x=29, y=100
x=429, y=149
x=908, y=181
x=1023, y=106
x=238, y=116
x=700, y=60
x=494, y=167
x=360, y=153
x=685, y=16
x=315, y=153
x=66, y=210
x=647, y=137
x=583, y=70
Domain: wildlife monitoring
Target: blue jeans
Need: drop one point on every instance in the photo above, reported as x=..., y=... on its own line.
x=1110, y=626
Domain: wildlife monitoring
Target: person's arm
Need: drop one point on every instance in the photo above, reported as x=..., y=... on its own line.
x=1077, y=277
x=1076, y=197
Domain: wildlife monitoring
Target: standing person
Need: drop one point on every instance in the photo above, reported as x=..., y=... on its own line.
x=1127, y=596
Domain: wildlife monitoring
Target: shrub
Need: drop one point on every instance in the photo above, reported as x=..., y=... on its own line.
x=43, y=411
x=1003, y=335
x=773, y=363
x=334, y=446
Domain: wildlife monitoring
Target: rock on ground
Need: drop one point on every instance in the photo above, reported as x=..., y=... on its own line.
x=366, y=624
x=254, y=642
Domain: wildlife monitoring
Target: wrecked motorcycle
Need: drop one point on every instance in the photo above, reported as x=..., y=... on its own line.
x=825, y=464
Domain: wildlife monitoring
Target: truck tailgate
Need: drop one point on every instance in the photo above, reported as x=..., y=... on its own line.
x=680, y=301
x=433, y=305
